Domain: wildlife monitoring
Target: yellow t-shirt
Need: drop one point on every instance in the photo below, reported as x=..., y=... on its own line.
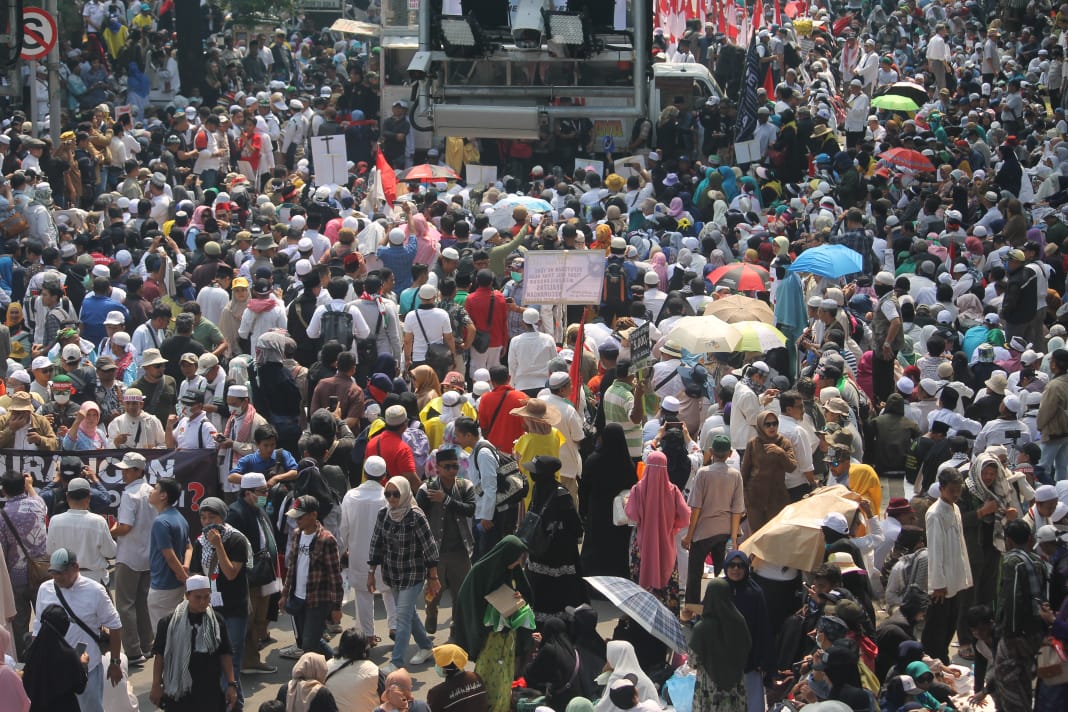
x=530, y=445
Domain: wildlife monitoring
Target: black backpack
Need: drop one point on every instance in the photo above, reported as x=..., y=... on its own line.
x=615, y=284
x=337, y=326
x=678, y=460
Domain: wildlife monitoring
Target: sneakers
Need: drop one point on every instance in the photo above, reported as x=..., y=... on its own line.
x=292, y=652
x=422, y=656
x=259, y=669
x=387, y=668
x=333, y=628
x=138, y=662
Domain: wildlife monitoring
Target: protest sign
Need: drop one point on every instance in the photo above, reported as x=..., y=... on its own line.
x=330, y=160
x=563, y=277
x=641, y=347
x=197, y=470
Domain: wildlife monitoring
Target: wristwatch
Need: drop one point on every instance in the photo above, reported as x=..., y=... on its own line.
x=232, y=683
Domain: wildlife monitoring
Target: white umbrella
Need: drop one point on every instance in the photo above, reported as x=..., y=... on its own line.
x=701, y=334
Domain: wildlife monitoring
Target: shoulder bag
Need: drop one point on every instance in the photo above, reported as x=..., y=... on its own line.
x=619, y=509
x=36, y=568
x=481, y=342
x=101, y=636
x=438, y=355
x=532, y=530
x=1052, y=666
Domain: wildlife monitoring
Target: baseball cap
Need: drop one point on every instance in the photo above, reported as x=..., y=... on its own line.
x=78, y=484
x=115, y=318
x=61, y=560
x=1046, y=533
x=206, y=362
x=303, y=505
x=133, y=461
x=72, y=352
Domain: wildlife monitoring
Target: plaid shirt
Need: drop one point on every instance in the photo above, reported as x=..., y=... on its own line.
x=404, y=549
x=324, y=570
x=860, y=241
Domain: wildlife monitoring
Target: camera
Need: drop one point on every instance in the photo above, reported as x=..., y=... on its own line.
x=419, y=66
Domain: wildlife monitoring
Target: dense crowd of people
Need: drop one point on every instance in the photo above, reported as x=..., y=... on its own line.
x=390, y=414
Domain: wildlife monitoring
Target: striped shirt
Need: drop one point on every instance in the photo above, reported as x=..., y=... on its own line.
x=618, y=402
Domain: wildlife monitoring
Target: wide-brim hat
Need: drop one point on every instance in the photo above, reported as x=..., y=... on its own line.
x=538, y=410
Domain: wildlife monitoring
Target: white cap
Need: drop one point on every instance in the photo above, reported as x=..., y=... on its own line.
x=1045, y=493
x=238, y=391
x=945, y=316
x=20, y=375
x=761, y=366
x=40, y=362
x=905, y=385
x=929, y=385
x=489, y=233
x=836, y=522
x=72, y=352
x=531, y=316
x=304, y=244
x=396, y=236
x=450, y=253
x=1046, y=534
x=651, y=278
x=297, y=222
x=670, y=404
x=428, y=291
x=1012, y=404
x=303, y=267
x=374, y=466
x=885, y=278
x=115, y=318
x=124, y=258
x=197, y=583
x=558, y=379
x=101, y=271
x=253, y=480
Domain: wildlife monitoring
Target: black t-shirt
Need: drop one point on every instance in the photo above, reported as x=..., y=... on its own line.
x=462, y=692
x=234, y=593
x=172, y=349
x=204, y=668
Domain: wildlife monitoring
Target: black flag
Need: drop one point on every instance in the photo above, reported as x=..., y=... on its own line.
x=747, y=102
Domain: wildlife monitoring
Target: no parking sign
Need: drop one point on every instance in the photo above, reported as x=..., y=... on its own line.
x=39, y=34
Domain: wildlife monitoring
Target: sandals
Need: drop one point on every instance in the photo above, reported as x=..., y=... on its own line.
x=966, y=652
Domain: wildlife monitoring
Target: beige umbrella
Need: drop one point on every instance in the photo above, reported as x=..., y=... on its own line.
x=738, y=307
x=793, y=537
x=702, y=334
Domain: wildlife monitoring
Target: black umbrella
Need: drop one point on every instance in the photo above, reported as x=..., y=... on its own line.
x=908, y=89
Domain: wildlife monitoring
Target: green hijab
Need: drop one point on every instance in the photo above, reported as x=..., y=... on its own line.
x=995, y=337
x=721, y=641
x=486, y=576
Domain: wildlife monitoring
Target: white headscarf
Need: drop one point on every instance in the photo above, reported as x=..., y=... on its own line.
x=405, y=503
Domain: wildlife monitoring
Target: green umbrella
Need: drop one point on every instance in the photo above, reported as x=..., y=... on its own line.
x=894, y=102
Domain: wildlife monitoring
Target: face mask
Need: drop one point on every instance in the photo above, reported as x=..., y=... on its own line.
x=439, y=670
x=62, y=398
x=517, y=276
x=261, y=500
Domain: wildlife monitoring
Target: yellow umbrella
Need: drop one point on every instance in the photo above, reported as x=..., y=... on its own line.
x=758, y=336
x=793, y=536
x=702, y=334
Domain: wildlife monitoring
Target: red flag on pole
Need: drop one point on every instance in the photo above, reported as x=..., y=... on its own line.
x=769, y=82
x=758, y=15
x=388, y=178
x=575, y=372
x=778, y=14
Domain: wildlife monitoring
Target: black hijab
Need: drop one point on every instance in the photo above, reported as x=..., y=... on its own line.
x=614, y=467
x=52, y=664
x=749, y=600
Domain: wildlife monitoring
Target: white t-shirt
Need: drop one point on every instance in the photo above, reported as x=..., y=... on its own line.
x=300, y=590
x=435, y=322
x=196, y=433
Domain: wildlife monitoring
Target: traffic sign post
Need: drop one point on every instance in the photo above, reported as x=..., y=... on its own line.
x=39, y=34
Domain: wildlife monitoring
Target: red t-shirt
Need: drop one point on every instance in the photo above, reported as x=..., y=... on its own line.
x=506, y=428
x=478, y=307
x=391, y=447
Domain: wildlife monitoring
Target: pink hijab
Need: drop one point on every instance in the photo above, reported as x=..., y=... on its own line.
x=659, y=510
x=660, y=267
x=197, y=219
x=427, y=239
x=864, y=375
x=675, y=207
x=11, y=688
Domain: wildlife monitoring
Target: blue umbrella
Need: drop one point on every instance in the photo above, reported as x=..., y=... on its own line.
x=643, y=608
x=831, y=261
x=534, y=205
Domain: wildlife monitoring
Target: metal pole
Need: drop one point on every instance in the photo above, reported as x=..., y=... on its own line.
x=34, y=118
x=54, y=89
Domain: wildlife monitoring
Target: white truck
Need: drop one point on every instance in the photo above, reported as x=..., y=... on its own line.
x=463, y=79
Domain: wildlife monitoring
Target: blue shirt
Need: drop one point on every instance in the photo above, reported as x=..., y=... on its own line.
x=169, y=531
x=94, y=310
x=254, y=463
x=399, y=258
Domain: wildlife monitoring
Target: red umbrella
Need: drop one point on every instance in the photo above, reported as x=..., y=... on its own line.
x=427, y=173
x=908, y=159
x=742, y=277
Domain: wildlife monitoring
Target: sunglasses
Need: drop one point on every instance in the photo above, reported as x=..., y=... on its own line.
x=736, y=565
x=392, y=494
x=771, y=423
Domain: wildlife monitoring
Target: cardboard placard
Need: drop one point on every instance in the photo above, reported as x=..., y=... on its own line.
x=504, y=600
x=330, y=160
x=564, y=277
x=588, y=164
x=747, y=152
x=480, y=175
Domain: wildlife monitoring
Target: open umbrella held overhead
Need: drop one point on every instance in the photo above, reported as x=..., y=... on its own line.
x=910, y=90
x=908, y=159
x=740, y=276
x=702, y=334
x=738, y=307
x=831, y=261
x=895, y=102
x=427, y=173
x=643, y=608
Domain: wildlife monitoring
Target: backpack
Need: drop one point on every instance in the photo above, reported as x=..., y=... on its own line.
x=367, y=349
x=678, y=460
x=615, y=284
x=512, y=486
x=337, y=326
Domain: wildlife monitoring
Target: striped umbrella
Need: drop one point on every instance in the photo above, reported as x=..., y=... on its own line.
x=642, y=607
